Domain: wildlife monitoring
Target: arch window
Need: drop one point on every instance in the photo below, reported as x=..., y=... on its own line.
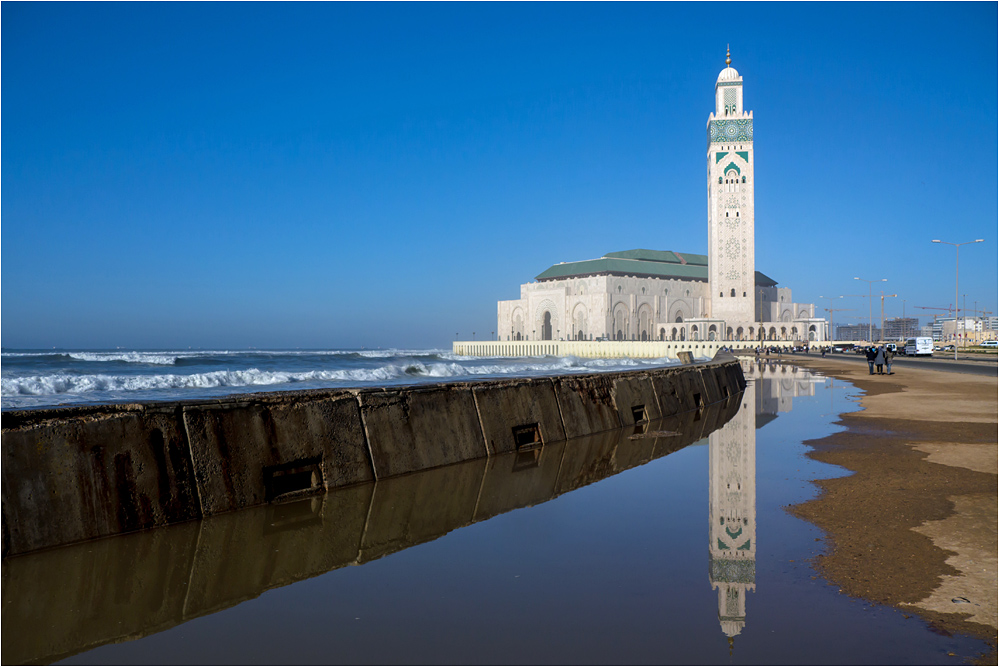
x=733, y=291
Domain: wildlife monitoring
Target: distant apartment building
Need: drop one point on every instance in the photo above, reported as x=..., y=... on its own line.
x=857, y=332
x=936, y=330
x=900, y=328
x=926, y=331
x=965, y=330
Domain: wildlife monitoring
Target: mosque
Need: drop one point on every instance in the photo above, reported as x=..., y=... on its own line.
x=669, y=295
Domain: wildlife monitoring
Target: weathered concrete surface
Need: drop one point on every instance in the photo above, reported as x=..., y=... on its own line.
x=634, y=391
x=68, y=478
x=506, y=405
x=66, y=600
x=79, y=473
x=255, y=449
x=587, y=404
x=414, y=429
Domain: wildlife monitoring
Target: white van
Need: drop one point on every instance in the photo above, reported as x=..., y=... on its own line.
x=990, y=343
x=915, y=347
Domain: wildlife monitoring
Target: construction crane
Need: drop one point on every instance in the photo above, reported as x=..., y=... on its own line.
x=945, y=309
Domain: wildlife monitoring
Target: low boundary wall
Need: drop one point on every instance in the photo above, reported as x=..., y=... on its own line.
x=616, y=349
x=78, y=473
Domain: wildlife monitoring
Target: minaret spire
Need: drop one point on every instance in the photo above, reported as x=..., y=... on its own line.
x=728, y=56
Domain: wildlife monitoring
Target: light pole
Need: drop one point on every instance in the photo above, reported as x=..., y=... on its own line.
x=957, y=266
x=832, y=331
x=883, y=297
x=870, y=305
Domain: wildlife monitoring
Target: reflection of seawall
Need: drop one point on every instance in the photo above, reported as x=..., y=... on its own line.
x=732, y=484
x=63, y=601
x=78, y=473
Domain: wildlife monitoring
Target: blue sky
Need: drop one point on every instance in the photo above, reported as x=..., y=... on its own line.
x=340, y=175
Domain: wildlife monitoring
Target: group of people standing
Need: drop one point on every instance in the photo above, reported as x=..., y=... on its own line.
x=879, y=356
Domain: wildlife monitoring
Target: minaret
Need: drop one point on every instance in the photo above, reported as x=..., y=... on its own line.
x=732, y=513
x=731, y=245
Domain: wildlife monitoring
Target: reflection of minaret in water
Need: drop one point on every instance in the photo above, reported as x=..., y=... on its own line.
x=732, y=505
x=732, y=508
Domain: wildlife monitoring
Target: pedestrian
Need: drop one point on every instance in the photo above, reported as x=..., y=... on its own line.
x=889, y=355
x=879, y=360
x=871, y=354
x=823, y=353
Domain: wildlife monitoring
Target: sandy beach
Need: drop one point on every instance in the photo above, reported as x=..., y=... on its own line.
x=915, y=526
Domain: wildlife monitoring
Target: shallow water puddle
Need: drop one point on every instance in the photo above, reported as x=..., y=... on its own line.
x=664, y=543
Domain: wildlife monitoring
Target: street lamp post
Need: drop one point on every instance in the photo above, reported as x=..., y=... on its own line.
x=957, y=265
x=870, y=305
x=832, y=330
x=883, y=297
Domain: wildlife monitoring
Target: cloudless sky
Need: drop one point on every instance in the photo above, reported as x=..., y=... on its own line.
x=345, y=175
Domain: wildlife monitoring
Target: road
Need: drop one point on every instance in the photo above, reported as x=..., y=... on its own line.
x=969, y=364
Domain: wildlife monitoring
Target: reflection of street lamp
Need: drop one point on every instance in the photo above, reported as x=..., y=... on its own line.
x=870, y=305
x=957, y=264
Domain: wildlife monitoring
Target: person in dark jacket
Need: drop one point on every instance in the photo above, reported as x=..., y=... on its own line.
x=879, y=360
x=871, y=354
x=889, y=355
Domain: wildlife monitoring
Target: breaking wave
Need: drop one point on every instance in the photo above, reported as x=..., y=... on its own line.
x=77, y=384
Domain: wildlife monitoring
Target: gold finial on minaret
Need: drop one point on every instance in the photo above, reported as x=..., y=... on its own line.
x=728, y=56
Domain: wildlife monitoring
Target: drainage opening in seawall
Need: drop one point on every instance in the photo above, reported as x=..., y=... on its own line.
x=638, y=413
x=293, y=479
x=526, y=436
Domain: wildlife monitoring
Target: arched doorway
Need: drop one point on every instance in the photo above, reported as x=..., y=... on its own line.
x=739, y=332
x=695, y=333
x=546, y=327
x=662, y=333
x=672, y=336
x=683, y=333
x=712, y=332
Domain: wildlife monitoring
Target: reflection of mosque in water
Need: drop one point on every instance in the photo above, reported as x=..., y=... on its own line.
x=732, y=495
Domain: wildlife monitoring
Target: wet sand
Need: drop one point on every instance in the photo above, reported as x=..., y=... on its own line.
x=915, y=526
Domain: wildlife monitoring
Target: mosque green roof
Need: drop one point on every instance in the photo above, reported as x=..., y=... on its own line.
x=641, y=263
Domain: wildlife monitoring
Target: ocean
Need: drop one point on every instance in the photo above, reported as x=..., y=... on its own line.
x=46, y=378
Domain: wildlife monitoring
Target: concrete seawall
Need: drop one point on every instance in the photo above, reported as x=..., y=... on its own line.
x=59, y=602
x=79, y=473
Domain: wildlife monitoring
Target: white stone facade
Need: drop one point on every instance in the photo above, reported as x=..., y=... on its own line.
x=601, y=308
x=660, y=295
